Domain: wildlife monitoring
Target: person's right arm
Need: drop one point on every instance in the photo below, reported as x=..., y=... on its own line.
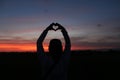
x=40, y=49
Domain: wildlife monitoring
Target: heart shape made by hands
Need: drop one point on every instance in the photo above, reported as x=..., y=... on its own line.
x=55, y=28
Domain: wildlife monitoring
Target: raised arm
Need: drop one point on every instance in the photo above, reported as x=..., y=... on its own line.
x=66, y=37
x=40, y=49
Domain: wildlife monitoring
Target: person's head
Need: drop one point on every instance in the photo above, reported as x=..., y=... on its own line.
x=55, y=48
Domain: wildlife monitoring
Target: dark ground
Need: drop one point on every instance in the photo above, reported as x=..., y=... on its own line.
x=84, y=65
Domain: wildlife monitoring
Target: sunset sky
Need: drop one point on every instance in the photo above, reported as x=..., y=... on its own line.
x=91, y=24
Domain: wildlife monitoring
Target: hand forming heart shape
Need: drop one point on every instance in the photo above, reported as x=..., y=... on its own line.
x=55, y=28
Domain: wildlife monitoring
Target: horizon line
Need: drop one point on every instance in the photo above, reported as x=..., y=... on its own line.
x=71, y=50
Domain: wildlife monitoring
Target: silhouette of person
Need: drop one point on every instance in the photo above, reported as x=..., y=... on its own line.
x=54, y=67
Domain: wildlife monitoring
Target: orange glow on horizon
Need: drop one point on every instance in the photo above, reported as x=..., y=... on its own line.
x=31, y=47
x=17, y=47
x=28, y=47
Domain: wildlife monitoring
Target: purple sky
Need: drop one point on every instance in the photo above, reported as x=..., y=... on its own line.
x=91, y=24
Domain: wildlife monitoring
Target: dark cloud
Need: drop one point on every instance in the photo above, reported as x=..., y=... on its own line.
x=104, y=42
x=109, y=39
x=116, y=29
x=78, y=38
x=2, y=36
x=99, y=25
x=96, y=45
x=15, y=40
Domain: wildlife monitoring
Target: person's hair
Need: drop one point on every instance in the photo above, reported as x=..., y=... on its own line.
x=55, y=49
